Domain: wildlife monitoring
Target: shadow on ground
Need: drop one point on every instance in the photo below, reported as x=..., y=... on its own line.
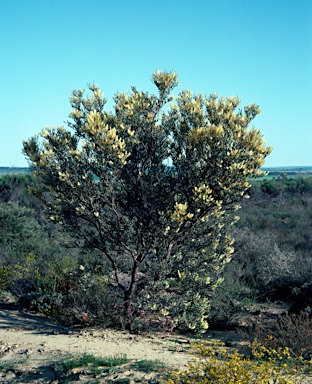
x=10, y=317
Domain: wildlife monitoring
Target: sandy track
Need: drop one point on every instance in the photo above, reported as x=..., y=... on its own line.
x=37, y=341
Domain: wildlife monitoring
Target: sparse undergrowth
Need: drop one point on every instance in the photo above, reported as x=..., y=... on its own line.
x=93, y=363
x=108, y=365
x=149, y=366
x=116, y=369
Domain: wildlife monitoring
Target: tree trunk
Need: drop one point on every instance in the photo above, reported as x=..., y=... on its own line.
x=128, y=310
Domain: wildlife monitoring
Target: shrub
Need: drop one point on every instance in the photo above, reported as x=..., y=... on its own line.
x=163, y=230
x=89, y=299
x=293, y=332
x=14, y=189
x=270, y=187
x=232, y=296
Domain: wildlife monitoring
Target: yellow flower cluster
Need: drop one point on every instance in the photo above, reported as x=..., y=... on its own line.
x=180, y=213
x=216, y=364
x=106, y=136
x=203, y=193
x=164, y=79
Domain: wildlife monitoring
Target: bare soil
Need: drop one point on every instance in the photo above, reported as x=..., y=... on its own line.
x=32, y=344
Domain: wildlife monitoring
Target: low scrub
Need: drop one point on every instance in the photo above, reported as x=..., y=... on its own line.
x=216, y=364
x=293, y=332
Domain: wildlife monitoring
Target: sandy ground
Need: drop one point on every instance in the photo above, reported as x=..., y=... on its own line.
x=38, y=334
x=32, y=342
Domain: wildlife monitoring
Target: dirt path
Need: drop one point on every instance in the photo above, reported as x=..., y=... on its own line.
x=32, y=342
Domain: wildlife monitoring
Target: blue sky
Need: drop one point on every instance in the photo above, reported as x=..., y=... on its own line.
x=259, y=50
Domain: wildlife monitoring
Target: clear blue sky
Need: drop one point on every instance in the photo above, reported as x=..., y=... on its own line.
x=259, y=50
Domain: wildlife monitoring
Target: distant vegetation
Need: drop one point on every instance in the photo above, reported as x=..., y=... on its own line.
x=273, y=242
x=290, y=172
x=272, y=172
x=15, y=170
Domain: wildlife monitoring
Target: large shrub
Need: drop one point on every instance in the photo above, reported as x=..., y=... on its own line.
x=154, y=188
